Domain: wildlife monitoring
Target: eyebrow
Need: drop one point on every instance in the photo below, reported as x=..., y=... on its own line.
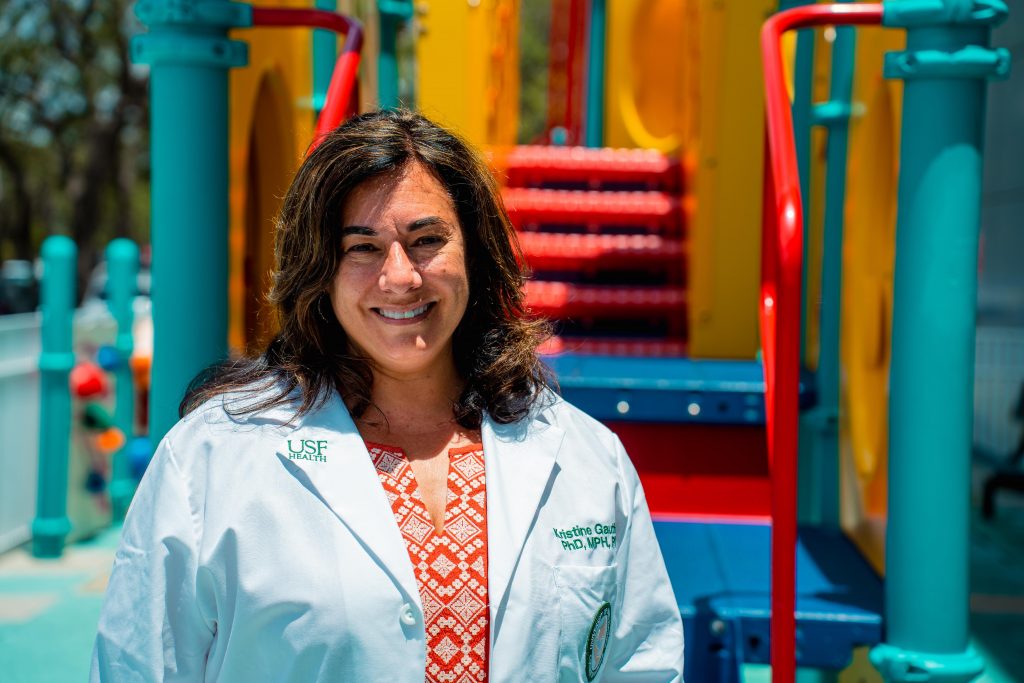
x=417, y=224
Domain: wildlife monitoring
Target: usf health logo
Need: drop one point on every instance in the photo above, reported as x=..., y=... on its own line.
x=307, y=449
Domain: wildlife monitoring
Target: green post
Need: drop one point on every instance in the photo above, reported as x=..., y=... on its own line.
x=819, y=465
x=594, y=127
x=122, y=286
x=189, y=54
x=945, y=68
x=51, y=523
x=392, y=14
x=325, y=53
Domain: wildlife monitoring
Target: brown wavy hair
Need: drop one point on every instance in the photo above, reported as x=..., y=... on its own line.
x=495, y=343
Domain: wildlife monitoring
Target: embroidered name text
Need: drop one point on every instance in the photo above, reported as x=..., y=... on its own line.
x=581, y=537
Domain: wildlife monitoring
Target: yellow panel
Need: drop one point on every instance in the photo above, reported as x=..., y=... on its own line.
x=270, y=167
x=467, y=67
x=503, y=117
x=725, y=236
x=279, y=59
x=868, y=252
x=443, y=56
x=645, y=74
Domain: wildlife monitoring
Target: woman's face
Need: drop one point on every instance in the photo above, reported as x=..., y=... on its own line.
x=401, y=287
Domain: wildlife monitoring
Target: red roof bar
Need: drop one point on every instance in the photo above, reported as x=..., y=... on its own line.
x=343, y=79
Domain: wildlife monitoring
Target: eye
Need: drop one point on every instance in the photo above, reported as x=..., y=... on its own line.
x=428, y=241
x=361, y=248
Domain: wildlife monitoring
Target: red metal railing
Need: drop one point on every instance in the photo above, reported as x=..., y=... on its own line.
x=781, y=271
x=339, y=102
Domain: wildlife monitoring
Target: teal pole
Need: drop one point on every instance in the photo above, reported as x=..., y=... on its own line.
x=819, y=490
x=122, y=286
x=594, y=127
x=325, y=53
x=51, y=524
x=803, y=74
x=189, y=54
x=803, y=79
x=944, y=67
x=392, y=13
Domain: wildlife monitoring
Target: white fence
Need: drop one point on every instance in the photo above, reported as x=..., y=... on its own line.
x=19, y=424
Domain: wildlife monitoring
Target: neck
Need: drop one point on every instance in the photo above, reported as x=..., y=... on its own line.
x=414, y=404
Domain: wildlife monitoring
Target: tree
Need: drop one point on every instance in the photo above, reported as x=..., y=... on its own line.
x=73, y=127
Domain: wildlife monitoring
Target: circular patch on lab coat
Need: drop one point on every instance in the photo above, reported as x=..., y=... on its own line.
x=597, y=640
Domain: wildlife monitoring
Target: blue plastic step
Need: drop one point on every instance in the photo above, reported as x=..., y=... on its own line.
x=721, y=577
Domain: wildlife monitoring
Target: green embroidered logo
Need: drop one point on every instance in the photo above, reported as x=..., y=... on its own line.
x=581, y=537
x=307, y=449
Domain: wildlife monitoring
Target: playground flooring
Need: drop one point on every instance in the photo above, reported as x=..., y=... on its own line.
x=49, y=608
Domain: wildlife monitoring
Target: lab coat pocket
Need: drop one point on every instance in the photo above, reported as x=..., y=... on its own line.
x=586, y=601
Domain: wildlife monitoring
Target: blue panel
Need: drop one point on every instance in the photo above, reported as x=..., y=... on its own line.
x=665, y=389
x=720, y=574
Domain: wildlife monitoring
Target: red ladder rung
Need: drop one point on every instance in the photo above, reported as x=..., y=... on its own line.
x=653, y=210
x=567, y=300
x=595, y=346
x=560, y=251
x=531, y=164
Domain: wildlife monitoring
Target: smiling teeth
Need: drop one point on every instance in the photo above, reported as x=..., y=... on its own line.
x=405, y=316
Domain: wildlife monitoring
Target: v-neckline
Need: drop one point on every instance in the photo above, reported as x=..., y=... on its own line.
x=415, y=494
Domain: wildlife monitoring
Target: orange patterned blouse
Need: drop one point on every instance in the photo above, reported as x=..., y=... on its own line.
x=451, y=566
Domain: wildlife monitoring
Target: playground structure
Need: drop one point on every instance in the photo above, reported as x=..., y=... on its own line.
x=651, y=255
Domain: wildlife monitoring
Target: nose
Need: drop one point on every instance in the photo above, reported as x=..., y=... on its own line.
x=399, y=273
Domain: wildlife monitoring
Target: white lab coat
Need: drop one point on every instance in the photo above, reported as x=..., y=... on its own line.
x=240, y=563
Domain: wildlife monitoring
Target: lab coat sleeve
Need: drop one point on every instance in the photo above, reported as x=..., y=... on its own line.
x=151, y=627
x=648, y=629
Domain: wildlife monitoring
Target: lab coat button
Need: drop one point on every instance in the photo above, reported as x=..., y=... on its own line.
x=406, y=615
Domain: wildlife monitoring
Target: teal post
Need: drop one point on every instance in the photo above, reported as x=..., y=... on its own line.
x=189, y=54
x=325, y=53
x=803, y=76
x=945, y=67
x=819, y=489
x=803, y=80
x=392, y=14
x=122, y=286
x=594, y=126
x=51, y=524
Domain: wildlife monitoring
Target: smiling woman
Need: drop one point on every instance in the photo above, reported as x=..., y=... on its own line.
x=379, y=495
x=401, y=288
x=339, y=218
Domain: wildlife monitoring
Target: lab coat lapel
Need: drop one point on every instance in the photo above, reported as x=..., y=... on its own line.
x=519, y=459
x=348, y=484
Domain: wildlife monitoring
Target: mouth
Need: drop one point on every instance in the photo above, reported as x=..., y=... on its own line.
x=411, y=315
